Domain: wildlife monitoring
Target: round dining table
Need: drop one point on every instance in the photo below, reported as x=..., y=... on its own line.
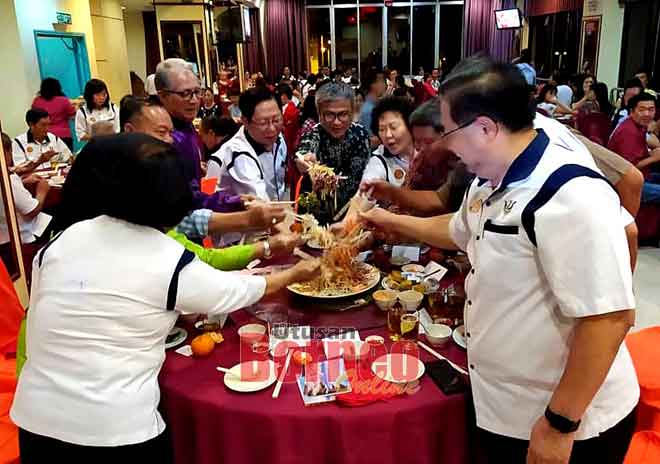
x=209, y=423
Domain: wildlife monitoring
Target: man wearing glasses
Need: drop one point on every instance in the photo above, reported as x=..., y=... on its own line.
x=253, y=160
x=336, y=142
x=179, y=93
x=549, y=295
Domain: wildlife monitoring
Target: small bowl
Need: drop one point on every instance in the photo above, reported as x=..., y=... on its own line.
x=417, y=268
x=385, y=299
x=411, y=299
x=437, y=334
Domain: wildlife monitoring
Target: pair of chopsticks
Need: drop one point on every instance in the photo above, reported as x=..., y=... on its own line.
x=439, y=356
x=280, y=380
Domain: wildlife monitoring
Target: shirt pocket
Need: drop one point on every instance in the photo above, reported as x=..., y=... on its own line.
x=502, y=229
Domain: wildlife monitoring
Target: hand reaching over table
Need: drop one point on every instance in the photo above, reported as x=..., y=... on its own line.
x=284, y=243
x=379, y=190
x=303, y=163
x=303, y=271
x=263, y=215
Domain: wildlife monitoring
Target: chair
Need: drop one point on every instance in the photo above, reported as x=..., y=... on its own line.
x=648, y=224
x=594, y=126
x=644, y=448
x=644, y=348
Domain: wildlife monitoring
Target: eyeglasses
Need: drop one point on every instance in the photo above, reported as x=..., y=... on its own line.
x=187, y=94
x=462, y=126
x=265, y=123
x=344, y=116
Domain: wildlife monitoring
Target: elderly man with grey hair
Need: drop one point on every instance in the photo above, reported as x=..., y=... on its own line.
x=337, y=142
x=179, y=92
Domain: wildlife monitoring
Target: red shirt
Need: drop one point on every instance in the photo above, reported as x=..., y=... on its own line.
x=629, y=141
x=60, y=111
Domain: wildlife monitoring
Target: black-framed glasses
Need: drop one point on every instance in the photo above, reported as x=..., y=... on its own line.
x=462, y=126
x=187, y=94
x=344, y=116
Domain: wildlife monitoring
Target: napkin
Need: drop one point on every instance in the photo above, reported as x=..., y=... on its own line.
x=366, y=388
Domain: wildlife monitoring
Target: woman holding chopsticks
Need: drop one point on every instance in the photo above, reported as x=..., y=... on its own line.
x=106, y=292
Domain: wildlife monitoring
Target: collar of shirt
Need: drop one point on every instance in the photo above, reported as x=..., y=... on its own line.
x=181, y=125
x=256, y=146
x=525, y=163
x=30, y=138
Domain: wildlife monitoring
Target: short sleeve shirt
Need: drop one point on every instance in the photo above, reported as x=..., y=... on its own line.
x=547, y=247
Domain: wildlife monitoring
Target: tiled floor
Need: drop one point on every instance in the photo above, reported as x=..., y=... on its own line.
x=647, y=288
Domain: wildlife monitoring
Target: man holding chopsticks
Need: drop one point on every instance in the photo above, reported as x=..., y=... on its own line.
x=549, y=296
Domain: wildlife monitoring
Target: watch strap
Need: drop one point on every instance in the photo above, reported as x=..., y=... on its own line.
x=560, y=423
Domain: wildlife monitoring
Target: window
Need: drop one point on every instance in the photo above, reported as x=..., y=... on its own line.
x=406, y=36
x=318, y=34
x=451, y=35
x=346, y=39
x=371, y=38
x=423, y=33
x=398, y=39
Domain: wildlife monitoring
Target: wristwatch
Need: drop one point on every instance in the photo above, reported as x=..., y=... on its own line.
x=267, y=253
x=560, y=423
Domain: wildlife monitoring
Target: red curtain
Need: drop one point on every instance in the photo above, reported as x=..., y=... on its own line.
x=286, y=36
x=543, y=7
x=481, y=33
x=253, y=52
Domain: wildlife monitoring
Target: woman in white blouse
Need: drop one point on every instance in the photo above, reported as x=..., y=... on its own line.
x=390, y=161
x=105, y=294
x=97, y=108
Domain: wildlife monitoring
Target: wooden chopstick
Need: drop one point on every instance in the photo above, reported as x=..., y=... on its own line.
x=439, y=356
x=280, y=381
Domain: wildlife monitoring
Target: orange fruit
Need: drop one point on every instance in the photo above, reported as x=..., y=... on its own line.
x=301, y=358
x=202, y=345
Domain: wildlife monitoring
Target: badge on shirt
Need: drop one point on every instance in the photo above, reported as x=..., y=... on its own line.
x=508, y=206
x=475, y=207
x=399, y=173
x=30, y=149
x=92, y=119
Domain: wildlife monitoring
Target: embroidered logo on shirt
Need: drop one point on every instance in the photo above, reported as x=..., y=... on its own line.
x=30, y=149
x=399, y=173
x=92, y=119
x=475, y=207
x=508, y=206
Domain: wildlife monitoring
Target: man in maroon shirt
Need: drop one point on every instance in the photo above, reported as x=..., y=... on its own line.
x=629, y=141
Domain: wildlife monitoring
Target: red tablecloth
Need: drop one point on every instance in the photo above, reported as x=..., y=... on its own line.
x=211, y=424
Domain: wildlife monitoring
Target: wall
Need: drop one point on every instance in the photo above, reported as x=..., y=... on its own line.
x=110, y=44
x=609, y=50
x=12, y=72
x=135, y=43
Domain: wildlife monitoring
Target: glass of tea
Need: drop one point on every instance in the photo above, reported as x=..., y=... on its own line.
x=401, y=324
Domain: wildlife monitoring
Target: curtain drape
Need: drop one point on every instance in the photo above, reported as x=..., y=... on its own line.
x=253, y=52
x=480, y=34
x=543, y=7
x=286, y=36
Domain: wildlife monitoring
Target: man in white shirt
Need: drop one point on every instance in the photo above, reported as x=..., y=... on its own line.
x=549, y=296
x=35, y=148
x=253, y=160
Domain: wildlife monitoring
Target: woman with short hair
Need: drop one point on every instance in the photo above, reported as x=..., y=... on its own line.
x=106, y=292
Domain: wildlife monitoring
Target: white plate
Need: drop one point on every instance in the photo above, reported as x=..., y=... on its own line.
x=374, y=279
x=233, y=381
x=459, y=336
x=180, y=337
x=398, y=368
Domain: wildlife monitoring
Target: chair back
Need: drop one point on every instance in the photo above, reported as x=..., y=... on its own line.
x=595, y=126
x=209, y=185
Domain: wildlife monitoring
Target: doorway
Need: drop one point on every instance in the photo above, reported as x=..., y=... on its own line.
x=63, y=55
